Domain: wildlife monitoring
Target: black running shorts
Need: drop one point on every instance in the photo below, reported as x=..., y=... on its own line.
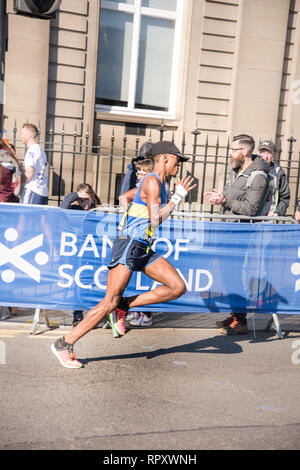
x=132, y=253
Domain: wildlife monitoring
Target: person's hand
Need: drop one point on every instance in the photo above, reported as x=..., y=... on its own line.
x=182, y=188
x=187, y=183
x=214, y=197
x=273, y=221
x=297, y=215
x=86, y=200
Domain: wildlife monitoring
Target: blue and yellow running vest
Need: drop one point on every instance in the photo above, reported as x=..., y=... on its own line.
x=135, y=223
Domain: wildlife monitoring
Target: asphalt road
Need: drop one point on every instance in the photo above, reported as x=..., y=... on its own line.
x=155, y=388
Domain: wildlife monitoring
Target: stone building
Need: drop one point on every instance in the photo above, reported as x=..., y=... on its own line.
x=122, y=68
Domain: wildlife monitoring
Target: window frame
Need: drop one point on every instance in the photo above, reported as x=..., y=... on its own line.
x=137, y=11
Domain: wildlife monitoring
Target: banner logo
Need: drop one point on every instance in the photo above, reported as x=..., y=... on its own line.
x=15, y=255
x=295, y=269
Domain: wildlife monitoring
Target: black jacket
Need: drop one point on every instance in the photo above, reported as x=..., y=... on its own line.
x=244, y=200
x=72, y=201
x=130, y=179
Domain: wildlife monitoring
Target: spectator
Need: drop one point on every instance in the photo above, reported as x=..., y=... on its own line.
x=11, y=174
x=83, y=199
x=36, y=168
x=10, y=185
x=297, y=213
x=130, y=179
x=241, y=198
x=278, y=179
x=36, y=171
x=143, y=167
x=130, y=182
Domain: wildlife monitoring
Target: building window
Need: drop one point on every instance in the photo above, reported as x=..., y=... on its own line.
x=138, y=56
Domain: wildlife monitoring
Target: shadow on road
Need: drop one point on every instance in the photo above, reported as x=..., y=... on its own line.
x=215, y=345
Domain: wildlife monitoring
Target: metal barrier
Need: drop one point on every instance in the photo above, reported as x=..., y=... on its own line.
x=274, y=321
x=249, y=219
x=191, y=215
x=188, y=214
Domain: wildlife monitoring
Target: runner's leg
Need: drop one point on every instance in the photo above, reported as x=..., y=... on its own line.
x=172, y=285
x=117, y=280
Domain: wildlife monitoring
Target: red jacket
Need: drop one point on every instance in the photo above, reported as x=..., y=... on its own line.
x=6, y=186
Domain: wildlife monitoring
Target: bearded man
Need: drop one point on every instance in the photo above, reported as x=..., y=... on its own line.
x=240, y=197
x=248, y=192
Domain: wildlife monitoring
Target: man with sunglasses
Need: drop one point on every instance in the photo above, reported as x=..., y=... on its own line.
x=248, y=192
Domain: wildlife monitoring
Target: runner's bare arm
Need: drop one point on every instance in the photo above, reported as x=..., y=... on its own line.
x=151, y=194
x=127, y=197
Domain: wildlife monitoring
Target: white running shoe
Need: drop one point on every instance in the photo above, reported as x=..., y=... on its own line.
x=141, y=319
x=130, y=316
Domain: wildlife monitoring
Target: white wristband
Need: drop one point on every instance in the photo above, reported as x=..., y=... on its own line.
x=176, y=199
x=179, y=195
x=181, y=191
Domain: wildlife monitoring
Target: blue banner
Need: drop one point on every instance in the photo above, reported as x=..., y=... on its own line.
x=56, y=259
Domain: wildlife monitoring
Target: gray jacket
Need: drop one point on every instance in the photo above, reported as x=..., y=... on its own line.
x=280, y=189
x=244, y=200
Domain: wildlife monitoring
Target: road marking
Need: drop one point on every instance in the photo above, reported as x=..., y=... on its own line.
x=11, y=332
x=53, y=324
x=6, y=336
x=46, y=336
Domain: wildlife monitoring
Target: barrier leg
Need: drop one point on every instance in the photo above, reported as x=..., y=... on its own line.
x=106, y=325
x=274, y=321
x=277, y=325
x=36, y=321
x=46, y=319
